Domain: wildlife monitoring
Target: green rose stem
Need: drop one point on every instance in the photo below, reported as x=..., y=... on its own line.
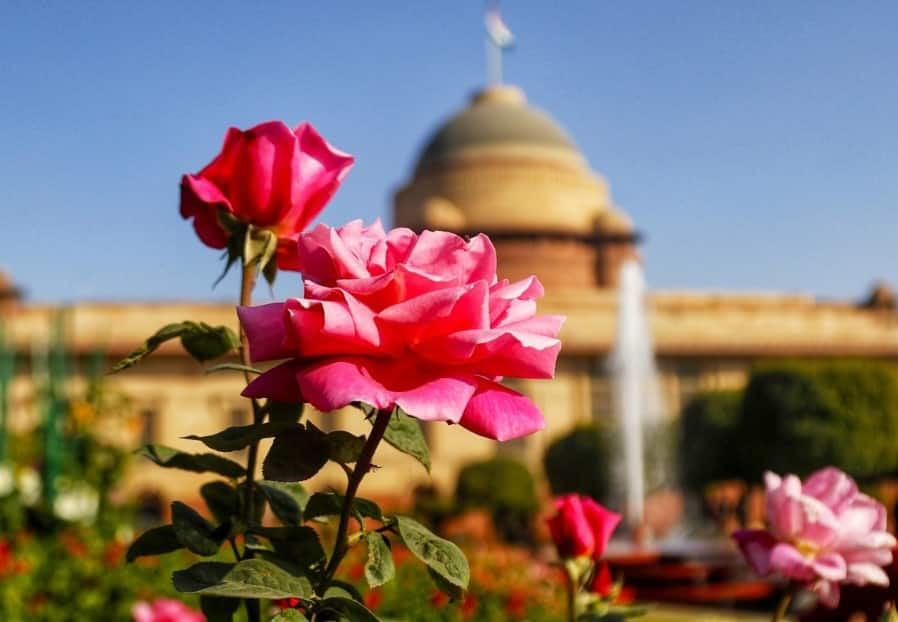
x=362, y=466
x=571, y=594
x=783, y=607
x=247, y=283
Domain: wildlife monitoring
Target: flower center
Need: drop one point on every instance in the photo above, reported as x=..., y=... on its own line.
x=807, y=549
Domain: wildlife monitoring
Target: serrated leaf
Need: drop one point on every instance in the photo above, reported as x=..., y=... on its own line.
x=440, y=555
x=203, y=342
x=296, y=454
x=218, y=609
x=331, y=504
x=345, y=447
x=156, y=541
x=289, y=615
x=193, y=531
x=283, y=412
x=379, y=567
x=237, y=437
x=221, y=499
x=197, y=463
x=405, y=434
x=251, y=578
x=287, y=499
x=347, y=608
x=297, y=545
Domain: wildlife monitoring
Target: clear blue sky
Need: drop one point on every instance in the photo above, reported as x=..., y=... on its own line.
x=755, y=143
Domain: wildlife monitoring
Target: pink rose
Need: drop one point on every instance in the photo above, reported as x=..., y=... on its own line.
x=400, y=319
x=165, y=610
x=269, y=176
x=821, y=533
x=582, y=527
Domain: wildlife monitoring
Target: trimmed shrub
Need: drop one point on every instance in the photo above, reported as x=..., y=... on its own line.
x=798, y=416
x=708, y=442
x=579, y=462
x=506, y=488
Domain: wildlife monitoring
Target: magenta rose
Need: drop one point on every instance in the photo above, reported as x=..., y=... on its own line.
x=269, y=176
x=581, y=527
x=165, y=610
x=401, y=319
x=821, y=533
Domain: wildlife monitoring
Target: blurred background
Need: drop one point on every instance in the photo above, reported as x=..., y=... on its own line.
x=707, y=190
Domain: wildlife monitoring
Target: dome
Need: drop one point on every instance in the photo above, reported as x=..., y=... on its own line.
x=498, y=115
x=501, y=166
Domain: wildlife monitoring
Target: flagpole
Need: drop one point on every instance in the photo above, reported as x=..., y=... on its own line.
x=493, y=62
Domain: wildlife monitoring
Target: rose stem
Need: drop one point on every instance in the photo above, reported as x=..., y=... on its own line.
x=362, y=466
x=783, y=607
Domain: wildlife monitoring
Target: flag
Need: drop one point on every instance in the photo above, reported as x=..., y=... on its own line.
x=496, y=30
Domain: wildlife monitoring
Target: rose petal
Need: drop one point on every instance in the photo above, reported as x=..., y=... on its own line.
x=756, y=546
x=499, y=413
x=786, y=560
x=832, y=487
x=278, y=383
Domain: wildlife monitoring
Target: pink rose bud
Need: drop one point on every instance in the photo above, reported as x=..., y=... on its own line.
x=582, y=527
x=269, y=176
x=401, y=319
x=822, y=533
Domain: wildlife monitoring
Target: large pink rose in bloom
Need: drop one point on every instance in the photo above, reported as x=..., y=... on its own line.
x=400, y=319
x=582, y=527
x=166, y=610
x=822, y=533
x=269, y=176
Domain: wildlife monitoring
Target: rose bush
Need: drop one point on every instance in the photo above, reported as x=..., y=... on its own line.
x=822, y=533
x=400, y=319
x=268, y=176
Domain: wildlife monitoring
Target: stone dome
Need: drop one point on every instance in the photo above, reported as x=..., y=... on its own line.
x=502, y=166
x=498, y=115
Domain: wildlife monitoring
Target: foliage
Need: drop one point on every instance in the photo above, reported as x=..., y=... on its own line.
x=505, y=487
x=565, y=457
x=798, y=416
x=708, y=445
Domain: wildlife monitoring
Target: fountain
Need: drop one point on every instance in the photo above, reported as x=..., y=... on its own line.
x=637, y=402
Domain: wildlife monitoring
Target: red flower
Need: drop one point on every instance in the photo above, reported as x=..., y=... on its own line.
x=602, y=582
x=373, y=599
x=269, y=176
x=582, y=527
x=287, y=603
x=468, y=606
x=439, y=599
x=515, y=604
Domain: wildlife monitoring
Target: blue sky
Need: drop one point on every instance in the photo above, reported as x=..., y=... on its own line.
x=755, y=143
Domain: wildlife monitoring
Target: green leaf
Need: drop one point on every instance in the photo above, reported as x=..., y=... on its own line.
x=283, y=412
x=202, y=342
x=405, y=434
x=221, y=499
x=347, y=609
x=251, y=578
x=232, y=367
x=454, y=592
x=287, y=615
x=342, y=586
x=197, y=463
x=296, y=454
x=156, y=541
x=287, y=499
x=331, y=504
x=298, y=545
x=345, y=447
x=379, y=568
x=441, y=556
x=237, y=437
x=193, y=531
x=270, y=271
x=259, y=246
x=218, y=609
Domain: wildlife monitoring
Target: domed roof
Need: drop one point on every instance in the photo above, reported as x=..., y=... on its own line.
x=497, y=115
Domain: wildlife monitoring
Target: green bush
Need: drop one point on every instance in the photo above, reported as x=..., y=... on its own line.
x=708, y=444
x=506, y=488
x=798, y=416
x=579, y=462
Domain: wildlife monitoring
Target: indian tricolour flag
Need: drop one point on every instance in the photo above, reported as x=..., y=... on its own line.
x=496, y=29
